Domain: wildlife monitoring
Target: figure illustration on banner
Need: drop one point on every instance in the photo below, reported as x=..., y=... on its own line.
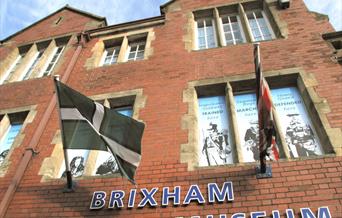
x=300, y=138
x=76, y=166
x=251, y=141
x=216, y=147
x=108, y=167
x=3, y=155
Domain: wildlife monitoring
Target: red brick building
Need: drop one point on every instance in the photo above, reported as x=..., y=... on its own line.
x=189, y=76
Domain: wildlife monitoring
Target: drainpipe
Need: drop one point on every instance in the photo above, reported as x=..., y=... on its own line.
x=30, y=150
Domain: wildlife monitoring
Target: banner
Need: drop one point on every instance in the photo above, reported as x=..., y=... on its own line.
x=77, y=161
x=296, y=125
x=247, y=119
x=215, y=139
x=105, y=164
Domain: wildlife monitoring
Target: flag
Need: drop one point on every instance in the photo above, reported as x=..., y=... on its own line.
x=267, y=131
x=89, y=125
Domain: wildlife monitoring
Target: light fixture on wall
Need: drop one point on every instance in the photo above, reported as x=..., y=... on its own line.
x=283, y=4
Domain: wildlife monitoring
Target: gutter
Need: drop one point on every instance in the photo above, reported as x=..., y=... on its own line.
x=30, y=150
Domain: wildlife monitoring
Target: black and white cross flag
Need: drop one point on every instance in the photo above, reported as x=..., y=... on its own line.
x=89, y=125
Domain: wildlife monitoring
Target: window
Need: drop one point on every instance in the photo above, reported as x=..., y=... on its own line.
x=222, y=120
x=11, y=125
x=215, y=139
x=300, y=134
x=233, y=33
x=334, y=40
x=15, y=64
x=32, y=65
x=124, y=49
x=55, y=56
x=105, y=162
x=259, y=26
x=111, y=55
x=237, y=23
x=136, y=50
x=206, y=34
x=84, y=163
x=12, y=69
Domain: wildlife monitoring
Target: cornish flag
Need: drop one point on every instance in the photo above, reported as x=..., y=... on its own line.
x=89, y=125
x=267, y=132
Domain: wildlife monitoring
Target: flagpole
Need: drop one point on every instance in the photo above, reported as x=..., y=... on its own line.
x=257, y=64
x=70, y=187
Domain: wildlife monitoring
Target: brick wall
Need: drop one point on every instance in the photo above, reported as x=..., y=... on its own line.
x=163, y=78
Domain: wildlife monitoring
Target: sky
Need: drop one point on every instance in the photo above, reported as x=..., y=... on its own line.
x=18, y=14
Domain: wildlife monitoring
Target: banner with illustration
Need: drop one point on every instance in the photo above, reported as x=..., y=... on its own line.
x=105, y=164
x=77, y=161
x=247, y=119
x=215, y=140
x=296, y=125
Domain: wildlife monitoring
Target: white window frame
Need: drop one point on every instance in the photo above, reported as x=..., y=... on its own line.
x=138, y=44
x=270, y=29
x=105, y=52
x=9, y=71
x=30, y=67
x=239, y=24
x=49, y=61
x=205, y=33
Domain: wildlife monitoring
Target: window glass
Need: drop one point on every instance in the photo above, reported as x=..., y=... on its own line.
x=106, y=163
x=54, y=60
x=232, y=30
x=258, y=25
x=215, y=139
x=297, y=127
x=12, y=69
x=33, y=64
x=206, y=34
x=112, y=55
x=247, y=119
x=8, y=139
x=136, y=51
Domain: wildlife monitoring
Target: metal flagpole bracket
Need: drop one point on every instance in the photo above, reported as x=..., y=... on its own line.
x=267, y=174
x=70, y=187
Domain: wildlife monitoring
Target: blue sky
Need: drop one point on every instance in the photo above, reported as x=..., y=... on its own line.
x=18, y=14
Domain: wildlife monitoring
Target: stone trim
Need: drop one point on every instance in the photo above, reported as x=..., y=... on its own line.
x=279, y=27
x=97, y=51
x=51, y=165
x=32, y=110
x=317, y=108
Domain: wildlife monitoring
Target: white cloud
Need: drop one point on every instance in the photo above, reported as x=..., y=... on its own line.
x=332, y=8
x=116, y=11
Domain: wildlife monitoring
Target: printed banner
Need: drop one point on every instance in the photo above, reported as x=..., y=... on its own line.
x=247, y=119
x=215, y=140
x=296, y=125
x=105, y=164
x=77, y=161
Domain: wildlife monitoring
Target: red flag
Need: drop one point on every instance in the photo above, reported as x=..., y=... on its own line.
x=267, y=132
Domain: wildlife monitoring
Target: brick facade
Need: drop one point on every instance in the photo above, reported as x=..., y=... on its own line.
x=163, y=78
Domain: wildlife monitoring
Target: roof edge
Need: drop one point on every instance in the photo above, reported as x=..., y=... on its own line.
x=50, y=15
x=126, y=24
x=163, y=6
